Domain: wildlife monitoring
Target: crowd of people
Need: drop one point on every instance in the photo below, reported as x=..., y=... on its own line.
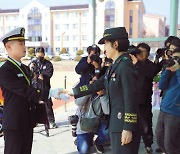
x=114, y=95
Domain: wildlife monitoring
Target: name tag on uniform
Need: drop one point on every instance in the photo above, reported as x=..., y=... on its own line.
x=20, y=75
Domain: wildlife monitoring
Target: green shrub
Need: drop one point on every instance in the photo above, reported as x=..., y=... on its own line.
x=47, y=58
x=77, y=58
x=56, y=58
x=79, y=52
x=63, y=51
x=31, y=53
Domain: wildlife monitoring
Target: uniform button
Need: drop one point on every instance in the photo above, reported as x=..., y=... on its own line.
x=30, y=108
x=119, y=115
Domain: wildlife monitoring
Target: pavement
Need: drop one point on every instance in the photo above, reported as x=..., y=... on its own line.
x=60, y=140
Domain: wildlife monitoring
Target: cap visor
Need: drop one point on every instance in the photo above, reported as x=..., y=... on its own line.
x=101, y=41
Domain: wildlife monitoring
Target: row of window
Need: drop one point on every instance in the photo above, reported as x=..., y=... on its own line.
x=8, y=18
x=68, y=26
x=74, y=38
x=74, y=49
x=69, y=14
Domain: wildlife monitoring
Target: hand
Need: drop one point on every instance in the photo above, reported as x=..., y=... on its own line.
x=100, y=92
x=88, y=60
x=134, y=59
x=63, y=91
x=31, y=66
x=40, y=77
x=126, y=137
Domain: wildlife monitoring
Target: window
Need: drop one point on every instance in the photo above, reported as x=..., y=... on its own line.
x=15, y=17
x=76, y=14
x=130, y=23
x=66, y=38
x=75, y=49
x=75, y=26
x=84, y=25
x=84, y=37
x=57, y=26
x=34, y=25
x=57, y=50
x=8, y=28
x=110, y=5
x=57, y=38
x=84, y=14
x=66, y=26
x=66, y=14
x=84, y=49
x=67, y=49
x=75, y=37
x=109, y=14
x=57, y=15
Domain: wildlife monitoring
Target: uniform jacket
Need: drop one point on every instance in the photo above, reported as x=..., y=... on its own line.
x=45, y=68
x=147, y=70
x=19, y=98
x=120, y=84
x=85, y=70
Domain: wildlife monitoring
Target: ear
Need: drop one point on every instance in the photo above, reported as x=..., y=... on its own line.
x=8, y=46
x=115, y=44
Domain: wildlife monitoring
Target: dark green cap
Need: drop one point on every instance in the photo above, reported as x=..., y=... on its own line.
x=114, y=33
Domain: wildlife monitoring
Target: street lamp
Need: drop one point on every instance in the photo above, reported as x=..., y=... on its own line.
x=93, y=5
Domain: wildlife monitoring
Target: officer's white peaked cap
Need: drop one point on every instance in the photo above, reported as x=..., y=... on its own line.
x=15, y=34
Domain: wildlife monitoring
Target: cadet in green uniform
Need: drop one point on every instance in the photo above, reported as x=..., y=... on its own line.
x=120, y=83
x=19, y=96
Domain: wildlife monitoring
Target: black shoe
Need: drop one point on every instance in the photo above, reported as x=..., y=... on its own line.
x=75, y=142
x=149, y=150
x=99, y=148
x=53, y=125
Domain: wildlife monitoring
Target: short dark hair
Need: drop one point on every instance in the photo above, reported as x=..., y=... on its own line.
x=123, y=44
x=169, y=40
x=176, y=42
x=40, y=49
x=95, y=48
x=145, y=46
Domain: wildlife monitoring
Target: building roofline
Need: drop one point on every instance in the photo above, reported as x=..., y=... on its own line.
x=9, y=11
x=69, y=7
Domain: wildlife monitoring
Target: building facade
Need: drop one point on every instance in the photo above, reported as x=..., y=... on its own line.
x=69, y=26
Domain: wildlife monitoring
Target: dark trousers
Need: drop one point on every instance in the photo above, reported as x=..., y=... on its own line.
x=168, y=133
x=50, y=112
x=131, y=148
x=18, y=141
x=147, y=131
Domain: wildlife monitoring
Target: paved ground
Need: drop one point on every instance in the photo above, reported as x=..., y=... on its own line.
x=60, y=140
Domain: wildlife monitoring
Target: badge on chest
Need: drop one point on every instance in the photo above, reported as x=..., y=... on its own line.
x=113, y=77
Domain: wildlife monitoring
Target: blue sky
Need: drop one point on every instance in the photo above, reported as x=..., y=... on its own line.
x=161, y=7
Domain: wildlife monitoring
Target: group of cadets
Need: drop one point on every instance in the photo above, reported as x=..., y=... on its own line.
x=127, y=83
